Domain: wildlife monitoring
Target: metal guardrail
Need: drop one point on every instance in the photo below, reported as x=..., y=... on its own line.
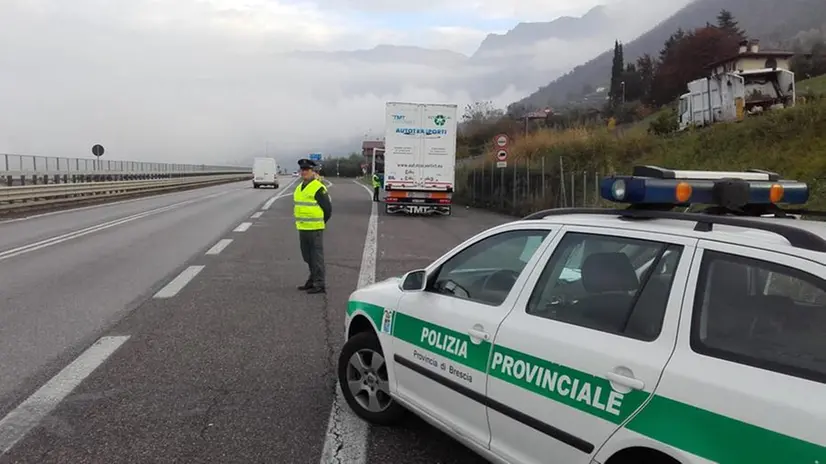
x=28, y=169
x=27, y=196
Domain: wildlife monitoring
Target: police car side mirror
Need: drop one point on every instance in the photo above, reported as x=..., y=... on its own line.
x=413, y=281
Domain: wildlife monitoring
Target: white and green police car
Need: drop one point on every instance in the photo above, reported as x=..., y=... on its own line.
x=645, y=335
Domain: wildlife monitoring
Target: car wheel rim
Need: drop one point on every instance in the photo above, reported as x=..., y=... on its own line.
x=367, y=380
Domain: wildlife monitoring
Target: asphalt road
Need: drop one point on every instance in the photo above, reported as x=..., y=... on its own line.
x=133, y=343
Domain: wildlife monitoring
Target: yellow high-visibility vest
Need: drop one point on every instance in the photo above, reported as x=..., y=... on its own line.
x=376, y=181
x=308, y=214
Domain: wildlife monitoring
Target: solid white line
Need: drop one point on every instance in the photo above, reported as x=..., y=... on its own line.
x=96, y=228
x=18, y=423
x=256, y=215
x=178, y=283
x=243, y=227
x=103, y=205
x=284, y=192
x=346, y=439
x=269, y=202
x=219, y=247
x=369, y=192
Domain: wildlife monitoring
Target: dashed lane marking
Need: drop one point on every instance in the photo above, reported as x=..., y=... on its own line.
x=243, y=227
x=256, y=215
x=18, y=423
x=178, y=283
x=219, y=247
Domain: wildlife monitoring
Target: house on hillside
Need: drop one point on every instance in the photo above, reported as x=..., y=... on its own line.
x=766, y=74
x=751, y=58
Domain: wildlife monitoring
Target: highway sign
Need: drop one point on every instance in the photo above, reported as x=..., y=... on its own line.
x=501, y=164
x=502, y=155
x=502, y=140
x=97, y=150
x=315, y=156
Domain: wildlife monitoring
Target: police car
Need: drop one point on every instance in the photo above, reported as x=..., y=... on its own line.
x=645, y=334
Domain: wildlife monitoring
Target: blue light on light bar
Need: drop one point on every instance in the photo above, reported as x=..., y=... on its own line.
x=684, y=192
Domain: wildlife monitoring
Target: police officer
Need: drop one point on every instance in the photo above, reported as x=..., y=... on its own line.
x=376, y=186
x=312, y=210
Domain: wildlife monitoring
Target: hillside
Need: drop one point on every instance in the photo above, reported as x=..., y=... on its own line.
x=790, y=142
x=815, y=85
x=772, y=21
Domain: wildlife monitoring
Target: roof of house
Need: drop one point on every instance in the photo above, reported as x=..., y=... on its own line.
x=760, y=54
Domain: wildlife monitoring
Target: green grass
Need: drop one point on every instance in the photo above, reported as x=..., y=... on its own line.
x=791, y=142
x=815, y=85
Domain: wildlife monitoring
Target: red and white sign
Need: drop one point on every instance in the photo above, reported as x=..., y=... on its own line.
x=502, y=155
x=502, y=140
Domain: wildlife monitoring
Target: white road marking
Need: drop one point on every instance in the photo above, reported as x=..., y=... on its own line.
x=369, y=192
x=269, y=202
x=114, y=203
x=178, y=283
x=284, y=192
x=96, y=228
x=346, y=439
x=243, y=227
x=219, y=247
x=257, y=215
x=18, y=423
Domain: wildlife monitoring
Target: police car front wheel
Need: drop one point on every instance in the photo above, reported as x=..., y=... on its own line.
x=362, y=374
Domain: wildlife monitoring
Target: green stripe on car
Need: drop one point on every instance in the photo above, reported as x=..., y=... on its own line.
x=695, y=430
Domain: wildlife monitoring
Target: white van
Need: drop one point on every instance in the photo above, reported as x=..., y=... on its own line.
x=264, y=172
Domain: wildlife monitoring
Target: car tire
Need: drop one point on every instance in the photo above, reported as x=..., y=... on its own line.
x=364, y=347
x=254, y=185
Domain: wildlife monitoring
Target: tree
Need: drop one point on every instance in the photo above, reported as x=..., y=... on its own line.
x=670, y=43
x=646, y=67
x=482, y=111
x=726, y=22
x=617, y=70
x=687, y=59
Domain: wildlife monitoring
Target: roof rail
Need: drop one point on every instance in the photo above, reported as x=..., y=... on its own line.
x=798, y=238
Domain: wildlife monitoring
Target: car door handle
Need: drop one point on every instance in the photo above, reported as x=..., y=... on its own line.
x=476, y=333
x=629, y=382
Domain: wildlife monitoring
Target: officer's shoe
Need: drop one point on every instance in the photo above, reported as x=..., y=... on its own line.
x=306, y=286
x=316, y=290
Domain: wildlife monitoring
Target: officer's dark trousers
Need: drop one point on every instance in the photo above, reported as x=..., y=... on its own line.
x=312, y=250
x=375, y=194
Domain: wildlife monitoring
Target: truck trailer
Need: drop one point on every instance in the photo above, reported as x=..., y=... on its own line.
x=713, y=99
x=419, y=157
x=733, y=96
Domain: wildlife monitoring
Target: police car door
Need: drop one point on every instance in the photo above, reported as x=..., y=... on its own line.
x=442, y=335
x=586, y=342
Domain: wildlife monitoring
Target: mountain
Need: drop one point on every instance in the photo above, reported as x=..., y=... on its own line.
x=775, y=22
x=390, y=54
x=565, y=28
x=514, y=63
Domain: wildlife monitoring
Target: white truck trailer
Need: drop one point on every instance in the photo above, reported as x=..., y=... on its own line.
x=419, y=157
x=732, y=96
x=712, y=99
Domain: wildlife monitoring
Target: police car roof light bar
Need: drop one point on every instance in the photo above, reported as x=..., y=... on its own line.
x=656, y=172
x=733, y=190
x=798, y=238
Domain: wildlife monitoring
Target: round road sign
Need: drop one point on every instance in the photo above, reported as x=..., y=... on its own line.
x=502, y=140
x=502, y=155
x=97, y=150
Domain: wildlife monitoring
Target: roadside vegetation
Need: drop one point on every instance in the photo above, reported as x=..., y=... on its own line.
x=638, y=125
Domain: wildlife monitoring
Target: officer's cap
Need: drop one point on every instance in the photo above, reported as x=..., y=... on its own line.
x=306, y=164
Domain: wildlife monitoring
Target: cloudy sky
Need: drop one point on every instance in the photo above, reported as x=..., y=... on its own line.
x=207, y=81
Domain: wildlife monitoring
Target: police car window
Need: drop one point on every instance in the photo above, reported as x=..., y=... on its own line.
x=487, y=270
x=762, y=314
x=612, y=284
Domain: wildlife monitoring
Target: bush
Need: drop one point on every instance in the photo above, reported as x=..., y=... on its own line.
x=790, y=141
